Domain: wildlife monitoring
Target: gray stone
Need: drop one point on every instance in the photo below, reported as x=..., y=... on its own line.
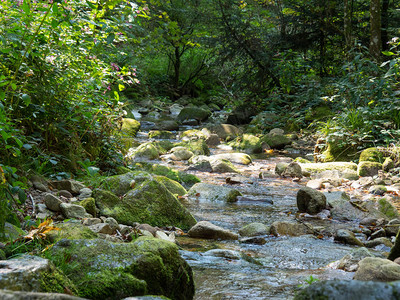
x=203, y=166
x=379, y=241
x=379, y=233
x=207, y=230
x=293, y=170
x=102, y=228
x=113, y=224
x=73, y=211
x=85, y=193
x=65, y=193
x=70, y=185
x=335, y=199
x=254, y=229
x=52, y=202
x=211, y=192
x=310, y=200
x=280, y=168
x=14, y=295
x=315, y=184
x=347, y=237
x=290, y=228
x=91, y=221
x=350, y=261
x=223, y=166
x=392, y=228
x=213, y=140
x=377, y=269
x=350, y=290
x=225, y=253
x=168, y=125
x=226, y=131
x=257, y=240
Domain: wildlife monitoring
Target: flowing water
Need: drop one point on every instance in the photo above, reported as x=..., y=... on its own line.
x=274, y=270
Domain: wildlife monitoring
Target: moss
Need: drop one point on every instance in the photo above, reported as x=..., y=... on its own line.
x=337, y=151
x=121, y=184
x=128, y=143
x=90, y=206
x=248, y=142
x=368, y=168
x=161, y=134
x=388, y=209
x=173, y=186
x=11, y=232
x=146, y=151
x=193, y=134
x=72, y=231
x=302, y=160
x=371, y=154
x=103, y=270
x=130, y=127
x=122, y=170
x=189, y=179
x=276, y=141
x=54, y=281
x=318, y=113
x=163, y=146
x=198, y=147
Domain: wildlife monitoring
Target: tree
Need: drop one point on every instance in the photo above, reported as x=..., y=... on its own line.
x=375, y=43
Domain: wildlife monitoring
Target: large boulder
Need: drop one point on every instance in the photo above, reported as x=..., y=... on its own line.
x=310, y=200
x=33, y=274
x=192, y=112
x=371, y=154
x=368, y=168
x=276, y=140
x=150, y=202
x=254, y=229
x=161, y=134
x=248, y=143
x=121, y=184
x=350, y=290
x=146, y=151
x=377, y=269
x=344, y=169
x=104, y=270
x=207, y=230
x=356, y=211
x=211, y=192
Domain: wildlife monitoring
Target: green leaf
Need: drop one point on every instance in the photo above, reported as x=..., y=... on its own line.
x=18, y=141
x=13, y=86
x=53, y=162
x=26, y=98
x=27, y=146
x=121, y=87
x=54, y=23
x=110, y=38
x=25, y=7
x=21, y=196
x=387, y=53
x=116, y=95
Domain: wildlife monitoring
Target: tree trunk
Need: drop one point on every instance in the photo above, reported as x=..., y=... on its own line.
x=375, y=42
x=177, y=69
x=385, y=24
x=347, y=25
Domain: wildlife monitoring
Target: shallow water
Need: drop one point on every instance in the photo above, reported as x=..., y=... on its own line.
x=270, y=271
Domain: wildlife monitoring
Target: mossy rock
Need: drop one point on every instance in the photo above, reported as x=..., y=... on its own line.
x=196, y=113
x=163, y=146
x=11, y=232
x=55, y=281
x=90, y=206
x=104, y=270
x=173, y=186
x=388, y=164
x=122, y=170
x=2, y=255
x=146, y=151
x=161, y=134
x=128, y=143
x=302, y=160
x=318, y=113
x=198, y=147
x=72, y=230
x=371, y=154
x=130, y=127
x=248, y=143
x=276, y=141
x=368, y=168
x=193, y=134
x=337, y=151
x=150, y=202
x=388, y=209
x=121, y=184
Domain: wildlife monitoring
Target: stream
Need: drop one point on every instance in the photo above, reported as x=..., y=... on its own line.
x=274, y=270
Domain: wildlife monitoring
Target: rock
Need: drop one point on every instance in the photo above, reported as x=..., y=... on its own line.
x=379, y=190
x=102, y=228
x=310, y=200
x=212, y=192
x=91, y=221
x=372, y=155
x=356, y=211
x=193, y=134
x=315, y=168
x=147, y=227
x=237, y=158
x=248, y=143
x=125, y=229
x=201, y=165
x=73, y=211
x=379, y=233
x=350, y=261
x=290, y=228
x=89, y=204
x=226, y=131
x=33, y=274
x=121, y=184
x=388, y=164
x=197, y=147
x=254, y=229
x=52, y=202
x=257, y=240
x=180, y=154
x=207, y=230
x=113, y=224
x=349, y=290
x=173, y=186
x=150, y=202
x=213, y=140
x=367, y=168
x=280, y=168
x=395, y=251
x=64, y=194
x=223, y=166
x=70, y=185
x=293, y=170
x=276, y=141
x=347, y=237
x=117, y=270
x=196, y=113
x=163, y=236
x=175, y=109
x=130, y=127
x=379, y=241
x=241, y=115
x=377, y=269
x=387, y=209
x=161, y=134
x=71, y=230
x=85, y=193
x=39, y=183
x=167, y=125
x=146, y=151
x=11, y=232
x=335, y=199
x=392, y=227
x=315, y=184
x=225, y=253
x=13, y=295
x=363, y=182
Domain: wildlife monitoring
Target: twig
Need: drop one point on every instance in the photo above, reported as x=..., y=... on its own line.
x=33, y=204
